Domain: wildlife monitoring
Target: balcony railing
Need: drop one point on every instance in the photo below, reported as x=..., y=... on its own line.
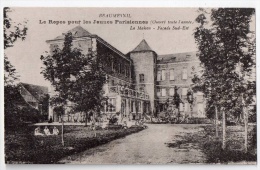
x=126, y=92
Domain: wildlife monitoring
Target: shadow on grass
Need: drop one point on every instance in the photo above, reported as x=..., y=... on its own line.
x=21, y=146
x=212, y=146
x=215, y=154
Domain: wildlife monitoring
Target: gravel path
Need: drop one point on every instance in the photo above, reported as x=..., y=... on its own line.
x=146, y=147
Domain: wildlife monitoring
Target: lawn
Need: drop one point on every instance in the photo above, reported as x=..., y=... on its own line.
x=211, y=146
x=21, y=146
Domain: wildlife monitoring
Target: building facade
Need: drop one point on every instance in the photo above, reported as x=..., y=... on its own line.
x=139, y=82
x=177, y=70
x=36, y=97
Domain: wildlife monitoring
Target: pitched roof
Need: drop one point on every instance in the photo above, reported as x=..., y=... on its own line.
x=15, y=96
x=35, y=90
x=81, y=32
x=178, y=57
x=142, y=46
x=78, y=31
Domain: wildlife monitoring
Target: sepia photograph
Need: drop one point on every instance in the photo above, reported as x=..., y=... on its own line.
x=129, y=86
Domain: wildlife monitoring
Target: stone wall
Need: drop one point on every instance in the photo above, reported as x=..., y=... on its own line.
x=145, y=64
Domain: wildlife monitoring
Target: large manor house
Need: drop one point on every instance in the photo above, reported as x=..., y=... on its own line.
x=141, y=81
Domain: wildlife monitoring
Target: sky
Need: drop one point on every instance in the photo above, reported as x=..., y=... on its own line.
x=25, y=55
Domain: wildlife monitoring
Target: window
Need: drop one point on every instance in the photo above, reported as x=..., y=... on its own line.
x=115, y=65
x=184, y=74
x=139, y=107
x=163, y=92
x=163, y=75
x=161, y=107
x=119, y=68
x=181, y=107
x=123, y=69
x=200, y=110
x=111, y=105
x=132, y=106
x=199, y=97
x=112, y=82
x=159, y=75
x=171, y=74
x=186, y=107
x=141, y=78
x=158, y=92
x=172, y=91
x=112, y=63
x=184, y=91
x=126, y=71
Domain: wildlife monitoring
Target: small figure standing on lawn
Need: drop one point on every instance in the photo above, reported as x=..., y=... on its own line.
x=55, y=131
x=125, y=125
x=37, y=132
x=133, y=116
x=47, y=131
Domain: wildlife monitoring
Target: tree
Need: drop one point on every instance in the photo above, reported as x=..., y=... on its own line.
x=87, y=92
x=60, y=66
x=76, y=78
x=177, y=101
x=13, y=102
x=12, y=33
x=223, y=47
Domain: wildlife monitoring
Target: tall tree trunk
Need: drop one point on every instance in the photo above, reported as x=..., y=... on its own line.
x=216, y=120
x=94, y=121
x=246, y=127
x=224, y=129
x=62, y=130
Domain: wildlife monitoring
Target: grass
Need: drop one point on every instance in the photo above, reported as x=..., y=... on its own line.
x=211, y=146
x=21, y=146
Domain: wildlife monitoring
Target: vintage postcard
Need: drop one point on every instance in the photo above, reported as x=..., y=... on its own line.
x=130, y=85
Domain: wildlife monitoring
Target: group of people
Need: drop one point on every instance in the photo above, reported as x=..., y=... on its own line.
x=126, y=121
x=46, y=131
